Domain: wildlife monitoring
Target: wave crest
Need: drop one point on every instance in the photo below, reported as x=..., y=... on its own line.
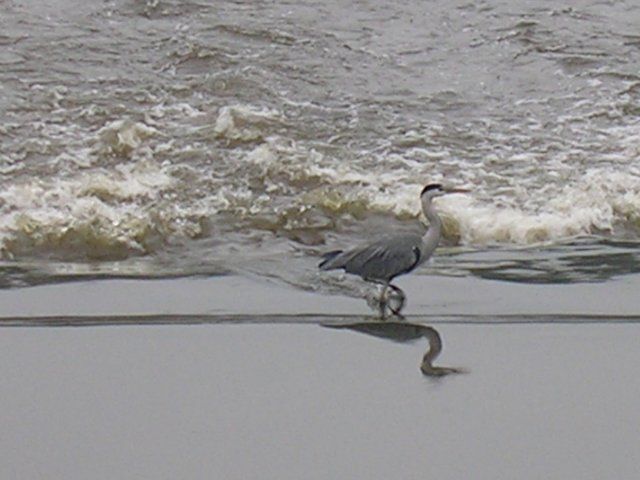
x=103, y=214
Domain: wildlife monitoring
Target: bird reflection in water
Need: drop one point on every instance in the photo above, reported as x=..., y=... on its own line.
x=405, y=332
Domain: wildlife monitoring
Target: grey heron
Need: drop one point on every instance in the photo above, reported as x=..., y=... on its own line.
x=383, y=260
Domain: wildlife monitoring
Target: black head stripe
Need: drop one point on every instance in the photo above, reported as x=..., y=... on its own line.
x=431, y=186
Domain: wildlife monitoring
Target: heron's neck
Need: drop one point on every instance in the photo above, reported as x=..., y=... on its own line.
x=435, y=223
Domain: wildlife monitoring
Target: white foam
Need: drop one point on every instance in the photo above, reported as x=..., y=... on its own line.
x=133, y=207
x=94, y=214
x=244, y=123
x=598, y=201
x=124, y=136
x=496, y=211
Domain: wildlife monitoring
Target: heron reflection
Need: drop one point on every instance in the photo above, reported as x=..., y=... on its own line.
x=406, y=332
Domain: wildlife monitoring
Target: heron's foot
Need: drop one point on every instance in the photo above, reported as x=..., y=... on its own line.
x=401, y=299
x=381, y=302
x=382, y=306
x=391, y=299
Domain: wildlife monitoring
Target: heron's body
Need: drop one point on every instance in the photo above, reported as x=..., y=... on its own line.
x=380, y=261
x=384, y=259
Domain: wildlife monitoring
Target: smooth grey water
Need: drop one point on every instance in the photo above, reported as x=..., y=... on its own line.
x=162, y=138
x=279, y=402
x=431, y=299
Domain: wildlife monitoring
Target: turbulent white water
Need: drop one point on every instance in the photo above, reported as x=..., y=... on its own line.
x=180, y=132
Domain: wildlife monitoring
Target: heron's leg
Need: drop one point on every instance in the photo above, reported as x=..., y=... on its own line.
x=383, y=302
x=403, y=298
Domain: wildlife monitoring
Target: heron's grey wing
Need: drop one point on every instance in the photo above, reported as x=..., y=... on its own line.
x=385, y=258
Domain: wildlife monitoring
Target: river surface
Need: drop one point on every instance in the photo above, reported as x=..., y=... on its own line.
x=299, y=401
x=187, y=162
x=163, y=138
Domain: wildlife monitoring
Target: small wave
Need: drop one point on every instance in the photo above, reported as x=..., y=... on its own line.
x=122, y=137
x=102, y=214
x=600, y=201
x=243, y=123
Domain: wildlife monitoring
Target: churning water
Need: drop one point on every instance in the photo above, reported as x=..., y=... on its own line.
x=183, y=137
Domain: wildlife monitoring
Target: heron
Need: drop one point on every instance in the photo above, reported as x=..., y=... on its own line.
x=390, y=256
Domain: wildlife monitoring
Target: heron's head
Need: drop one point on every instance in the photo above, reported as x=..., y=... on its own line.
x=434, y=190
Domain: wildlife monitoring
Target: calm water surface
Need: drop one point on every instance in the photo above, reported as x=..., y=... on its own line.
x=283, y=401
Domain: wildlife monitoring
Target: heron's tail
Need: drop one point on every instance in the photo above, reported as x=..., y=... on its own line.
x=327, y=262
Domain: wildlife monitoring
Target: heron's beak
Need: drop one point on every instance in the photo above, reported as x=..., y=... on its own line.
x=457, y=190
